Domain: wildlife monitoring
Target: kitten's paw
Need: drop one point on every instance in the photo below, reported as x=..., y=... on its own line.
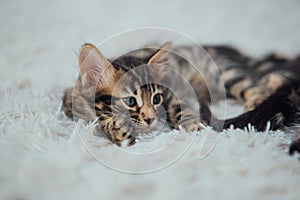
x=193, y=125
x=122, y=135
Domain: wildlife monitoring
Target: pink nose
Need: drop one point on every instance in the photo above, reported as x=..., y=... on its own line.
x=149, y=120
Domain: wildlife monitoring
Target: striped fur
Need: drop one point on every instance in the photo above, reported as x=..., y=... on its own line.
x=197, y=76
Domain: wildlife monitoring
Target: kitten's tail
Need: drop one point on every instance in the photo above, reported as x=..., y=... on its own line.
x=281, y=109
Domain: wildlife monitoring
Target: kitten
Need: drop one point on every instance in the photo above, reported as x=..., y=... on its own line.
x=130, y=94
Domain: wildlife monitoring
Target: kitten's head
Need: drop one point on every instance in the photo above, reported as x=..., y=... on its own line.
x=127, y=87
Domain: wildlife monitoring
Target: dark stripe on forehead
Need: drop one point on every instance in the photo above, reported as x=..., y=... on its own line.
x=127, y=63
x=153, y=87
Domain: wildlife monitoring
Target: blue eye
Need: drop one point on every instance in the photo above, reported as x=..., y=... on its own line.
x=130, y=101
x=157, y=99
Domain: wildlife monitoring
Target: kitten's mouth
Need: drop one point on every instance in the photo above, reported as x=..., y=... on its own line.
x=144, y=127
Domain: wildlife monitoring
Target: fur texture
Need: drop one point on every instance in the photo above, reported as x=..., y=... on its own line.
x=149, y=88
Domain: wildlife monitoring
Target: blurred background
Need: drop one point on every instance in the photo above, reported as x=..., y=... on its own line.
x=41, y=38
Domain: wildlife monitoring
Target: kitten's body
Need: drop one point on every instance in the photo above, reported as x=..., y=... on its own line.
x=99, y=94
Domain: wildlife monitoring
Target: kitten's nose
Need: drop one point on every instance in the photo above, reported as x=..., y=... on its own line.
x=149, y=120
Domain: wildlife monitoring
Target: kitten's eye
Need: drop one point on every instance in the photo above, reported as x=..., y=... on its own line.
x=130, y=101
x=157, y=99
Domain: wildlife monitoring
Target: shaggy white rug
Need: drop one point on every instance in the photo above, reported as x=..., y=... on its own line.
x=44, y=155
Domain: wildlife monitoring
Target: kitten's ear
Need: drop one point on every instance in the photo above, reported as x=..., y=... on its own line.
x=94, y=68
x=160, y=55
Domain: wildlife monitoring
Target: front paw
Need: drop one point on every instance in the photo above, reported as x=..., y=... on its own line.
x=193, y=125
x=123, y=134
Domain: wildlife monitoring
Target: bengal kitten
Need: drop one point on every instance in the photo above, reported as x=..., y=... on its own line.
x=130, y=94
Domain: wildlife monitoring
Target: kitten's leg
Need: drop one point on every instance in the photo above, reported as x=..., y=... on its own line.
x=182, y=114
x=254, y=81
x=274, y=71
x=190, y=121
x=117, y=130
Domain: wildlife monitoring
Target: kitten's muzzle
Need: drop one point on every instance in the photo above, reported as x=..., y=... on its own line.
x=149, y=120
